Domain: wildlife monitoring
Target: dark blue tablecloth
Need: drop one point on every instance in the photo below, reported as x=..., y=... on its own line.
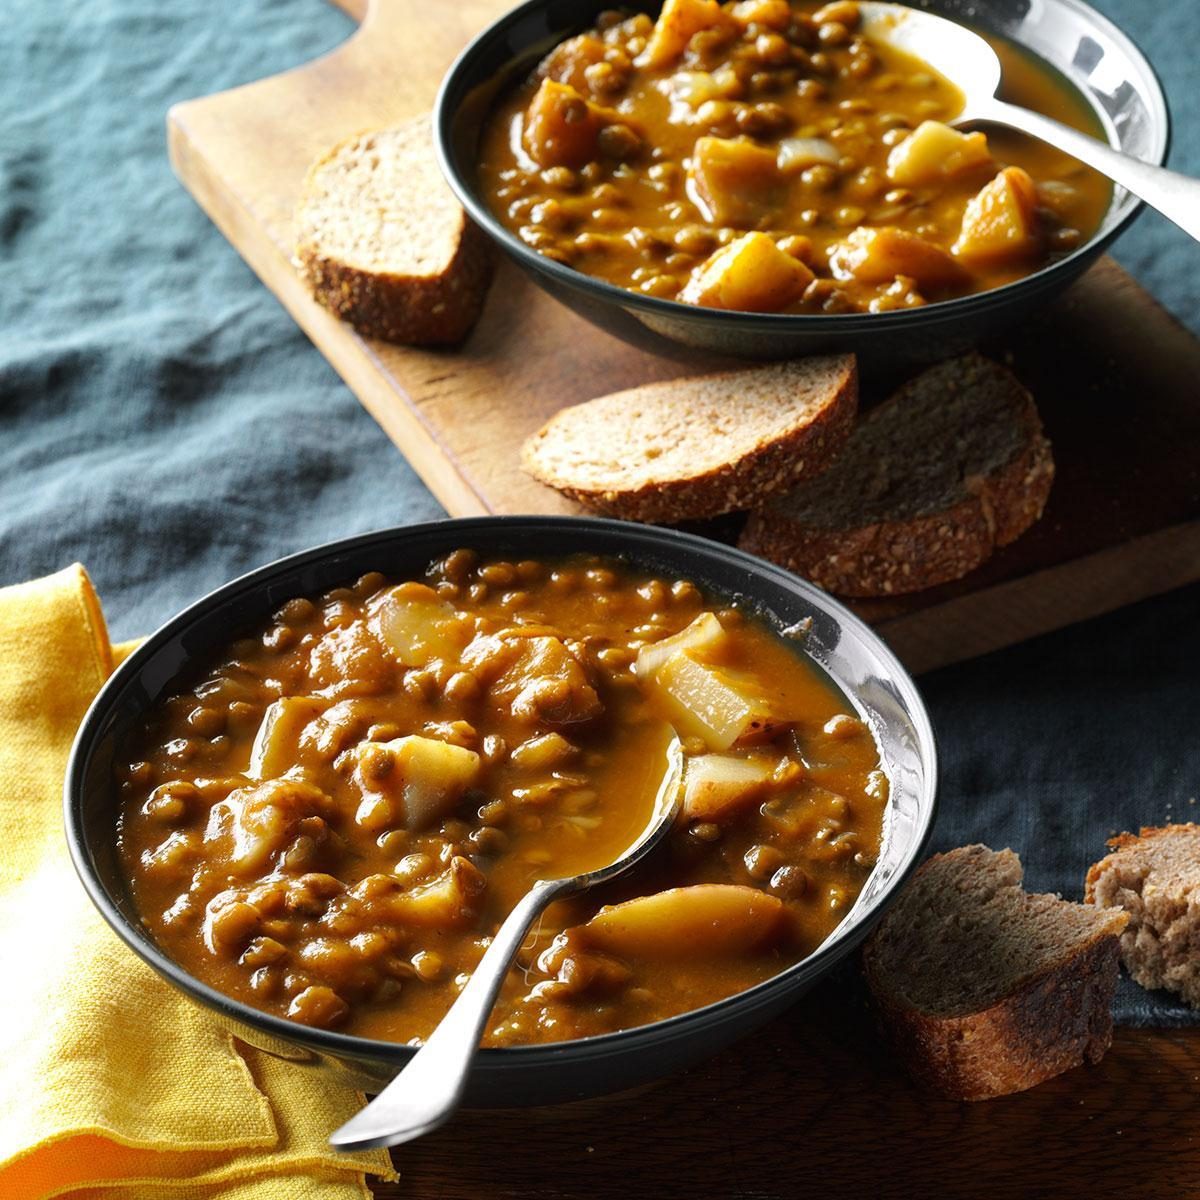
x=162, y=419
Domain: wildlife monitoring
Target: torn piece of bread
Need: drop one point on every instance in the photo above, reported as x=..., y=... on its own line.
x=383, y=243
x=931, y=482
x=1154, y=876
x=697, y=447
x=986, y=989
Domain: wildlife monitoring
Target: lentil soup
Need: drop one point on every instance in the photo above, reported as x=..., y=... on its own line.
x=766, y=156
x=334, y=820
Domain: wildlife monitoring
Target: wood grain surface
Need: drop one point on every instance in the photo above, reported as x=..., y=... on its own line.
x=813, y=1103
x=1113, y=373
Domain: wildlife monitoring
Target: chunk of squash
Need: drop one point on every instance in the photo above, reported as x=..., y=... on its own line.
x=880, y=255
x=734, y=182
x=417, y=625
x=411, y=781
x=706, y=920
x=751, y=274
x=276, y=744
x=562, y=128
x=713, y=705
x=537, y=679
x=678, y=22
x=1000, y=222
x=704, y=636
x=934, y=151
x=770, y=14
x=716, y=786
x=568, y=61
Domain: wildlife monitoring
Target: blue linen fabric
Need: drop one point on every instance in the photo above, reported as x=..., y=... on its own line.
x=164, y=421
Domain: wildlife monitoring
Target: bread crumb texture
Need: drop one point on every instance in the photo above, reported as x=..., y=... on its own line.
x=383, y=243
x=697, y=447
x=1154, y=877
x=985, y=989
x=928, y=486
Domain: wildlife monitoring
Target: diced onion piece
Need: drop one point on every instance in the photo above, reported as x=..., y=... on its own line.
x=717, y=785
x=707, y=920
x=411, y=781
x=277, y=739
x=797, y=153
x=703, y=636
x=934, y=151
x=879, y=255
x=733, y=182
x=1000, y=222
x=417, y=626
x=707, y=703
x=751, y=274
x=676, y=24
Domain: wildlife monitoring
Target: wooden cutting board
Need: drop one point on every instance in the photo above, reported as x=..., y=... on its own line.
x=812, y=1102
x=1114, y=374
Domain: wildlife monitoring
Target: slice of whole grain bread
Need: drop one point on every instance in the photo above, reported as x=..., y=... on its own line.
x=986, y=989
x=701, y=446
x=1154, y=876
x=383, y=243
x=930, y=483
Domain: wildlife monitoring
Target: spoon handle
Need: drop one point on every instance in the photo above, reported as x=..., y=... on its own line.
x=1176, y=196
x=429, y=1088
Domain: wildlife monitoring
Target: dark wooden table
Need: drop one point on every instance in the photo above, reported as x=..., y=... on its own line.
x=814, y=1104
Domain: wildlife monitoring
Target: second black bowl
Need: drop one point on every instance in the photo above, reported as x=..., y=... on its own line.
x=1093, y=54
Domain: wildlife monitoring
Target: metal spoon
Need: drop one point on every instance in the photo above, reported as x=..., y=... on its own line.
x=428, y=1090
x=971, y=64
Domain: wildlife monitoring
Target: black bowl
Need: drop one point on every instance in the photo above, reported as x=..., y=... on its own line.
x=853, y=656
x=1104, y=65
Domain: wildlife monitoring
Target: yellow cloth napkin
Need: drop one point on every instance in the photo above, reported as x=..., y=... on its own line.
x=112, y=1084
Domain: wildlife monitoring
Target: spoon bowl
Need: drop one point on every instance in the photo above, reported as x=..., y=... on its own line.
x=429, y=1089
x=965, y=59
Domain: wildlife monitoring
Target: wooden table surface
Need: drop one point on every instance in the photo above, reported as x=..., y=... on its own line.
x=814, y=1103
x=811, y=1103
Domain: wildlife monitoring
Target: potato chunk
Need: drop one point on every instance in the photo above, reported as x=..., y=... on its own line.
x=703, y=636
x=676, y=24
x=451, y=901
x=276, y=744
x=266, y=819
x=879, y=255
x=411, y=781
x=707, y=920
x=717, y=785
x=417, y=626
x=1000, y=222
x=749, y=275
x=934, y=151
x=562, y=128
x=711, y=704
x=734, y=182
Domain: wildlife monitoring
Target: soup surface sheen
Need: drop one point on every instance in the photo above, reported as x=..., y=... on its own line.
x=768, y=156
x=332, y=823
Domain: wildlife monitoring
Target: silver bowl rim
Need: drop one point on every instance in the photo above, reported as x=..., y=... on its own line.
x=840, y=942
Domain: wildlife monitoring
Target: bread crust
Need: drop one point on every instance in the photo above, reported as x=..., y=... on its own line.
x=1056, y=1020
x=887, y=558
x=1048, y=1022
x=768, y=468
x=411, y=309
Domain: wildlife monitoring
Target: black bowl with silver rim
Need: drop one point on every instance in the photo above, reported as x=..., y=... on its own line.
x=852, y=655
x=1100, y=61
